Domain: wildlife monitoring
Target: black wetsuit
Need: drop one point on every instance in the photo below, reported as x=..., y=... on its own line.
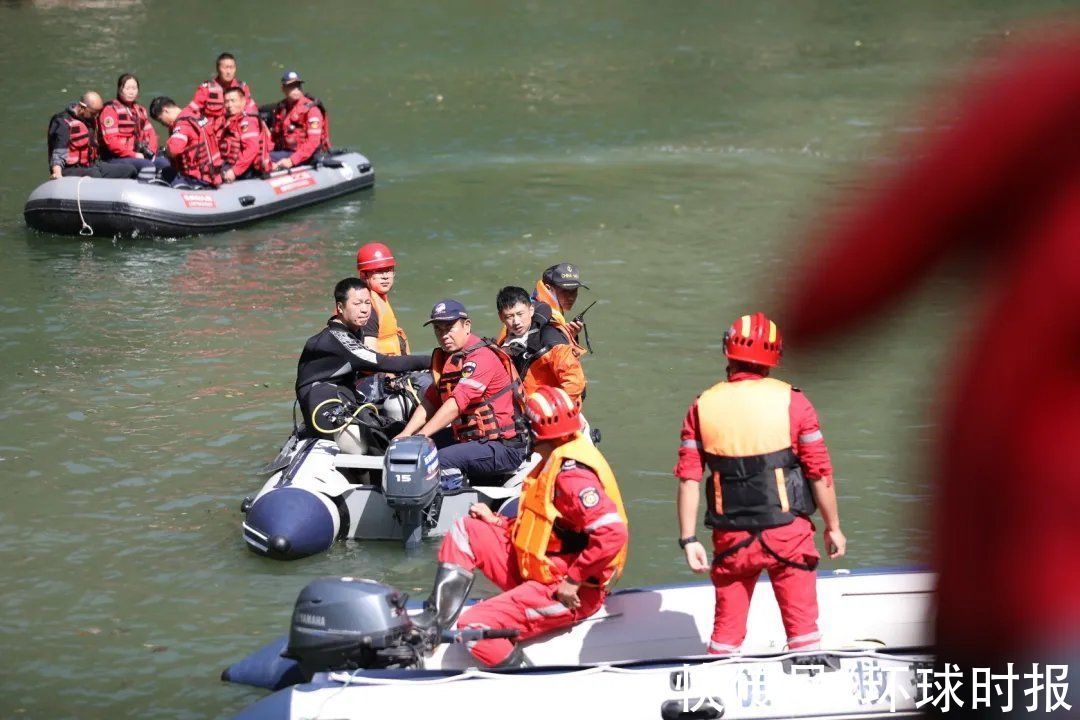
x=540, y=338
x=330, y=363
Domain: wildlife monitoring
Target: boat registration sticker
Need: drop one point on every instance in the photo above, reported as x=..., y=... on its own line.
x=289, y=183
x=198, y=200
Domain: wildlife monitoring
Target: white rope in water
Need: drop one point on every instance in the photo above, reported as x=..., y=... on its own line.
x=85, y=230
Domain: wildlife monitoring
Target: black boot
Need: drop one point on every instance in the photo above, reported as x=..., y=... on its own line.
x=516, y=659
x=452, y=585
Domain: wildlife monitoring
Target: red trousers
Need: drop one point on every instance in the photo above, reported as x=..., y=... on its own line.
x=530, y=607
x=796, y=589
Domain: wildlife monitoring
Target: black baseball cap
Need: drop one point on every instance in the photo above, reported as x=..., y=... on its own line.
x=291, y=77
x=447, y=311
x=565, y=276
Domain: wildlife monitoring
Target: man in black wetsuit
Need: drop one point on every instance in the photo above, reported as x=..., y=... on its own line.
x=332, y=360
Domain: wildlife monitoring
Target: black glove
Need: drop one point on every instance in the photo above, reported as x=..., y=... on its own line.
x=144, y=150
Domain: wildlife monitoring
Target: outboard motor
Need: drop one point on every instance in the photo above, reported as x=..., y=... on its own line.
x=344, y=623
x=411, y=483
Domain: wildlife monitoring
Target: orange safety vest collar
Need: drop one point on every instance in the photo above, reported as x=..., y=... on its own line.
x=537, y=514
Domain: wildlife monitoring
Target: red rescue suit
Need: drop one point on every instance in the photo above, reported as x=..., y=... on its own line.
x=209, y=100
x=589, y=536
x=193, y=149
x=483, y=382
x=770, y=531
x=245, y=143
x=302, y=128
x=122, y=127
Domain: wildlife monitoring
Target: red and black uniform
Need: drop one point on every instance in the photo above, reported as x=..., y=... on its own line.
x=194, y=149
x=485, y=441
x=245, y=144
x=123, y=128
x=71, y=140
x=209, y=100
x=72, y=144
x=301, y=129
x=588, y=535
x=768, y=530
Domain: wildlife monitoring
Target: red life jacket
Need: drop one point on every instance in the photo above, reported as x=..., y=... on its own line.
x=130, y=121
x=231, y=141
x=291, y=127
x=478, y=421
x=201, y=159
x=82, y=145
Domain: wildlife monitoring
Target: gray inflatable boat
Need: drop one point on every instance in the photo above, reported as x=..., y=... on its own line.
x=147, y=206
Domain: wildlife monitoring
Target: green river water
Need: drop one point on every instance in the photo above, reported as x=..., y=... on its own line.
x=676, y=152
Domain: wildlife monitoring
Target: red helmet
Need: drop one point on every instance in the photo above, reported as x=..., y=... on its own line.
x=374, y=256
x=552, y=413
x=754, y=339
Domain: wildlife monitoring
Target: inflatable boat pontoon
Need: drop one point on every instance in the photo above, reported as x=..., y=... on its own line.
x=639, y=657
x=147, y=206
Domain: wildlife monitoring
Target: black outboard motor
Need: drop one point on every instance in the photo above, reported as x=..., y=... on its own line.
x=411, y=483
x=344, y=623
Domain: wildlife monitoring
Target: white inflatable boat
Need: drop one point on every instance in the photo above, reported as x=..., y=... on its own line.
x=641, y=657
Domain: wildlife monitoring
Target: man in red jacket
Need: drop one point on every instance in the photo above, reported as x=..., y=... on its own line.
x=192, y=148
x=244, y=140
x=209, y=99
x=300, y=128
x=760, y=445
x=556, y=560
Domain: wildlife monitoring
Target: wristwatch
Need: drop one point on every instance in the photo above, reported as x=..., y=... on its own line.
x=683, y=542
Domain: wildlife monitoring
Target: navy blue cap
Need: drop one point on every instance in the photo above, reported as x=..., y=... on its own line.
x=565, y=276
x=447, y=311
x=291, y=77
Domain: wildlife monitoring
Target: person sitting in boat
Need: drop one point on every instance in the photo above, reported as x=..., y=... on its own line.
x=72, y=142
x=375, y=266
x=126, y=135
x=300, y=127
x=209, y=98
x=333, y=358
x=543, y=352
x=244, y=140
x=477, y=393
x=557, y=561
x=760, y=442
x=191, y=146
x=558, y=288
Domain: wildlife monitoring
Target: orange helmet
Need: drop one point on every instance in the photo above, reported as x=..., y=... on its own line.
x=374, y=256
x=754, y=339
x=552, y=414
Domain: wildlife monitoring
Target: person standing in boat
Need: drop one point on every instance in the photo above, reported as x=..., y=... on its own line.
x=375, y=266
x=759, y=442
x=191, y=146
x=555, y=562
x=73, y=146
x=126, y=135
x=333, y=358
x=543, y=352
x=244, y=141
x=300, y=125
x=476, y=392
x=209, y=98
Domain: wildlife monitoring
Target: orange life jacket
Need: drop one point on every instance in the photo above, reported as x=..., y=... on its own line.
x=537, y=514
x=544, y=294
x=755, y=479
x=392, y=339
x=478, y=421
